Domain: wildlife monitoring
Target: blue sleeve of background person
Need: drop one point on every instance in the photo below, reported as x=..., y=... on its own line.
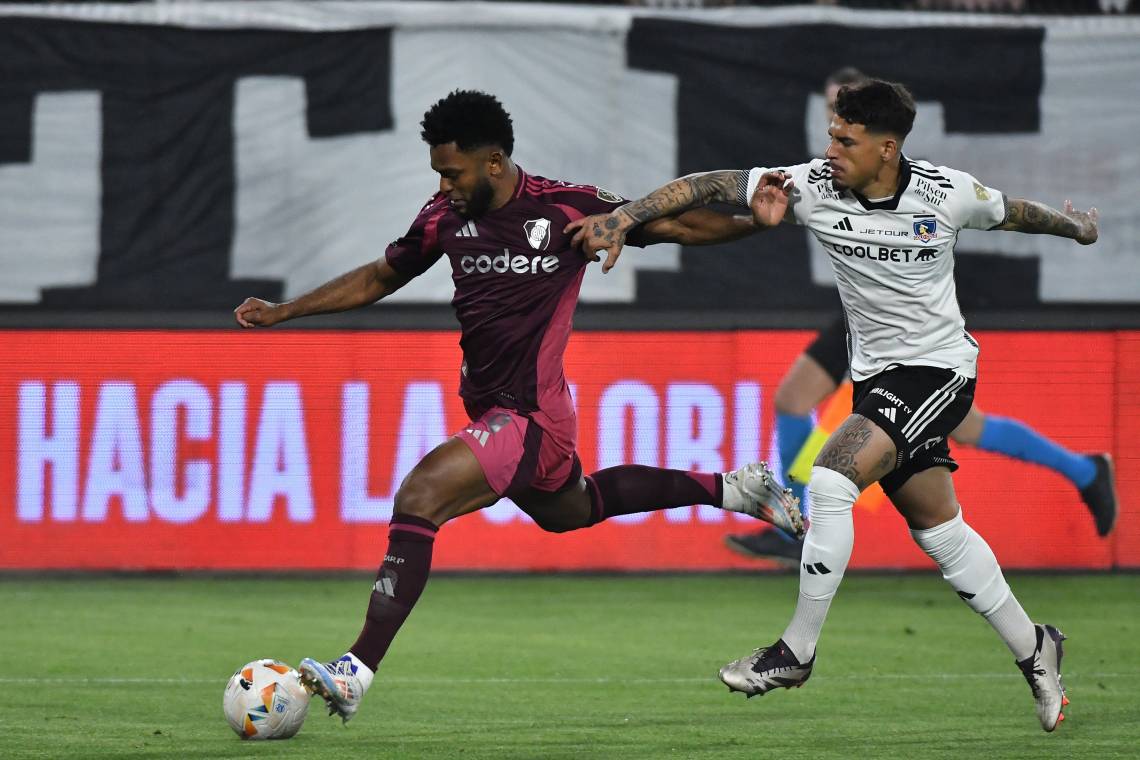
x=1016, y=439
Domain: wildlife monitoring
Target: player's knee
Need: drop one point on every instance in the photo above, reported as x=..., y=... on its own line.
x=832, y=493
x=556, y=525
x=419, y=498
x=928, y=518
x=561, y=511
x=561, y=519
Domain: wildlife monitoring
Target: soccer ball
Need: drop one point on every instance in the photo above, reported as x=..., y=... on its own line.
x=265, y=700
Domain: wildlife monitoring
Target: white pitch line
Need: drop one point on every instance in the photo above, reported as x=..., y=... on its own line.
x=599, y=681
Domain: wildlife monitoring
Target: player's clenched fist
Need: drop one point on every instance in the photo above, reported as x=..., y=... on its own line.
x=255, y=312
x=1086, y=223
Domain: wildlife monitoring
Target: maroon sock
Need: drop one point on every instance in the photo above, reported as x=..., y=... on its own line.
x=399, y=583
x=631, y=488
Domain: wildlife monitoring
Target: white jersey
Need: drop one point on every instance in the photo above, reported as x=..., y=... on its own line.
x=894, y=260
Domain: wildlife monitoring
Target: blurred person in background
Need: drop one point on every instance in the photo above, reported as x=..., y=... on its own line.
x=822, y=368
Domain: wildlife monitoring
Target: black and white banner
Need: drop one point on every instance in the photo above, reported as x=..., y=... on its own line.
x=184, y=156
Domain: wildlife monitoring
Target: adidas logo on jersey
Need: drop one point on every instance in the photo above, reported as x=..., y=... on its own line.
x=933, y=175
x=818, y=175
x=467, y=230
x=844, y=224
x=888, y=412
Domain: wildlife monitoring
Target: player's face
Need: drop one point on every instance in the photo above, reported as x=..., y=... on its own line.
x=855, y=155
x=464, y=177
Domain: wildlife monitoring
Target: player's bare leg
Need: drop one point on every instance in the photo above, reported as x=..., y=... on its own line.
x=447, y=483
x=856, y=455
x=930, y=506
x=559, y=512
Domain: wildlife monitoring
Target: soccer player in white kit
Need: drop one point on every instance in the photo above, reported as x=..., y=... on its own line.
x=889, y=224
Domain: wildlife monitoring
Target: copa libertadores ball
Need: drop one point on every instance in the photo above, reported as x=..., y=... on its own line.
x=265, y=700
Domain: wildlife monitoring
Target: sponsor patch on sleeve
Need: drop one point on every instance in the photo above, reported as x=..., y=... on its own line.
x=609, y=197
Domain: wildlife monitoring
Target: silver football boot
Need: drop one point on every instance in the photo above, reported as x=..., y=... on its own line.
x=755, y=490
x=767, y=668
x=336, y=682
x=1042, y=670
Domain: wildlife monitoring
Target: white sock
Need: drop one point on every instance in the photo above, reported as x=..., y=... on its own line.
x=1014, y=627
x=827, y=549
x=969, y=565
x=363, y=672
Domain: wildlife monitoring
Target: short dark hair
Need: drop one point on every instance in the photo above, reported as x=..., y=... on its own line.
x=878, y=105
x=470, y=119
x=845, y=75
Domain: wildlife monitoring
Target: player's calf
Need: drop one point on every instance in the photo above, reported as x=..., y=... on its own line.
x=752, y=490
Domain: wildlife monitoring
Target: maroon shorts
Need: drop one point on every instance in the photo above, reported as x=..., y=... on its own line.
x=517, y=454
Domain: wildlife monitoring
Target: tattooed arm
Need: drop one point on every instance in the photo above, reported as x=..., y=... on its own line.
x=697, y=226
x=1037, y=218
x=608, y=232
x=729, y=186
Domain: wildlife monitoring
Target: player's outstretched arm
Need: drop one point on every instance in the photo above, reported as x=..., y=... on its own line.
x=700, y=189
x=697, y=226
x=1037, y=218
x=608, y=232
x=360, y=287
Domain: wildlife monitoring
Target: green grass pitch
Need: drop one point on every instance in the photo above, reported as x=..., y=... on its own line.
x=562, y=667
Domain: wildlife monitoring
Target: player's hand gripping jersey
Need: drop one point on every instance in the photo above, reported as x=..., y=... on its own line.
x=516, y=284
x=894, y=260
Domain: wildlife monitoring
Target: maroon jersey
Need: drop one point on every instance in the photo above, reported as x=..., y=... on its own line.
x=516, y=284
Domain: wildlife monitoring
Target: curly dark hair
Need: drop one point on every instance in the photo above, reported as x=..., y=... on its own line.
x=471, y=119
x=878, y=105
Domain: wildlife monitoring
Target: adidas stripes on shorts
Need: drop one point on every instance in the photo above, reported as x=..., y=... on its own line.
x=517, y=454
x=918, y=407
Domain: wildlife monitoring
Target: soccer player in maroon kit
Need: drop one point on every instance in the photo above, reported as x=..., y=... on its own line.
x=517, y=279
